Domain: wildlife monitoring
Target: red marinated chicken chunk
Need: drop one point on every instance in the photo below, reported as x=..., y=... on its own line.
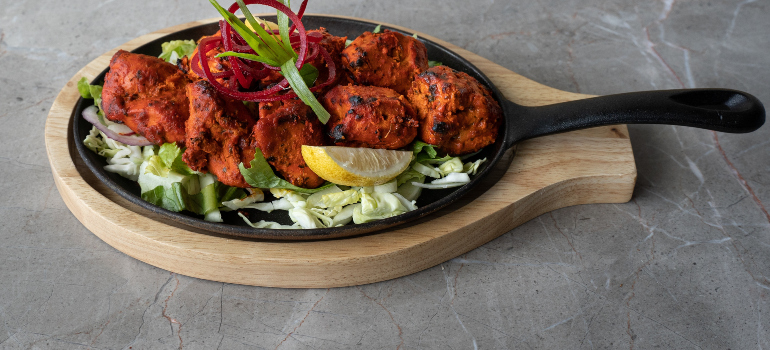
x=456, y=112
x=369, y=116
x=282, y=129
x=387, y=59
x=218, y=134
x=146, y=94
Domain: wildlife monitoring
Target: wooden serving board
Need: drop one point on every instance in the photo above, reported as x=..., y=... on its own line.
x=588, y=166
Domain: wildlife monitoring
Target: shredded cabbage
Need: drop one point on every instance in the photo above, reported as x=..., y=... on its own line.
x=388, y=187
x=121, y=159
x=426, y=170
x=472, y=167
x=265, y=224
x=452, y=178
x=454, y=165
x=340, y=199
x=410, y=191
x=376, y=206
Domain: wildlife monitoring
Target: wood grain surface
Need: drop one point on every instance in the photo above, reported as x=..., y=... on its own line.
x=547, y=173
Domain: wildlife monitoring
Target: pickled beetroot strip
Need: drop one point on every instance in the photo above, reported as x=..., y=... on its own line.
x=292, y=16
x=313, y=37
x=270, y=94
x=312, y=52
x=195, y=65
x=235, y=63
x=239, y=66
x=254, y=72
x=332, y=69
x=300, y=13
x=264, y=95
x=259, y=96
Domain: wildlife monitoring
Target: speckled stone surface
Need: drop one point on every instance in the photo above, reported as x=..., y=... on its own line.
x=684, y=265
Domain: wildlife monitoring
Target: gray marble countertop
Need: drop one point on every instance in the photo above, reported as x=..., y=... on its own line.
x=684, y=265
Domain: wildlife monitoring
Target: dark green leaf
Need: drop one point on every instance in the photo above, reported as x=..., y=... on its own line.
x=309, y=74
x=423, y=151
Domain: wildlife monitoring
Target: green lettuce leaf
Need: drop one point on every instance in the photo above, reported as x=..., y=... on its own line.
x=206, y=200
x=173, y=198
x=340, y=199
x=423, y=151
x=180, y=47
x=171, y=155
x=408, y=176
x=419, y=146
x=87, y=90
x=83, y=88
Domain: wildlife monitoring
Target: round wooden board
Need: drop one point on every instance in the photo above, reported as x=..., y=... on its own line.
x=587, y=166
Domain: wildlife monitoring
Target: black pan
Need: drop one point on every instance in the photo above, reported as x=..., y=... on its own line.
x=714, y=109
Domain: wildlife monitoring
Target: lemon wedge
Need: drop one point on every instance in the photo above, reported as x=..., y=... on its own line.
x=356, y=166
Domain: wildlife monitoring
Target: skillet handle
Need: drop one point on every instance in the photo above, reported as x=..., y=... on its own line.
x=714, y=109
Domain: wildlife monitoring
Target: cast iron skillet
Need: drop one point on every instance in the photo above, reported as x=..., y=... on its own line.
x=715, y=109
